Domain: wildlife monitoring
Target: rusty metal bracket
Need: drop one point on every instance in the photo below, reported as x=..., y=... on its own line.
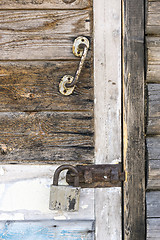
x=98, y=176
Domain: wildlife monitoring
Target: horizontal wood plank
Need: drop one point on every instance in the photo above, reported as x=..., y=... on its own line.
x=153, y=59
x=28, y=35
x=34, y=86
x=154, y=175
x=153, y=47
x=153, y=229
x=153, y=109
x=62, y=230
x=153, y=204
x=47, y=4
x=153, y=148
x=46, y=137
x=153, y=18
x=154, y=6
x=153, y=73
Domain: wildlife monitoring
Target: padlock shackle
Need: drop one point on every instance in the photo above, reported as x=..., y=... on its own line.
x=65, y=167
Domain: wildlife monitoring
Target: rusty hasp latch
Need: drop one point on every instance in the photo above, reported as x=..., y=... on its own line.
x=98, y=176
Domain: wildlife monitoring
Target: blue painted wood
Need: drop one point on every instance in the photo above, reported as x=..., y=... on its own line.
x=47, y=230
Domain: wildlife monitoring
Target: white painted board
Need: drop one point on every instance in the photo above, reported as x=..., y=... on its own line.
x=24, y=194
x=107, y=88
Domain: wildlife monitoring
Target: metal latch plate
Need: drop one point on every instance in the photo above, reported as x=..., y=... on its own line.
x=98, y=176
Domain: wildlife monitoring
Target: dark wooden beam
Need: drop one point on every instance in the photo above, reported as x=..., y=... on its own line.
x=133, y=119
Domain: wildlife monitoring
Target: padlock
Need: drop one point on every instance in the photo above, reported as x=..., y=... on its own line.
x=64, y=197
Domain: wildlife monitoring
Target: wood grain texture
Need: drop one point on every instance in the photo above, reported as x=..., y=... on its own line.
x=153, y=121
x=46, y=137
x=34, y=86
x=153, y=226
x=153, y=73
x=44, y=4
x=153, y=18
x=153, y=146
x=47, y=230
x=153, y=124
x=153, y=182
x=41, y=34
x=133, y=119
x=153, y=204
x=153, y=47
x=107, y=79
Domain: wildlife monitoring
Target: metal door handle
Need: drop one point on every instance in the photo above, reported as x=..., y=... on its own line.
x=80, y=49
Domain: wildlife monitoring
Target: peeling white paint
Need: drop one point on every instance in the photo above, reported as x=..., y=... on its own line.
x=85, y=206
x=25, y=190
x=60, y=217
x=1, y=171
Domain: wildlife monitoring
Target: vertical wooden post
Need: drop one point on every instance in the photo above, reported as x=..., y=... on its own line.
x=107, y=108
x=133, y=119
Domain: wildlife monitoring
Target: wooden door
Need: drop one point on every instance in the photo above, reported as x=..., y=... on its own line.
x=41, y=129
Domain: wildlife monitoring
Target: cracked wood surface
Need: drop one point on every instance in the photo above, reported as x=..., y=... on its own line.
x=34, y=86
x=46, y=137
x=44, y=4
x=133, y=119
x=34, y=35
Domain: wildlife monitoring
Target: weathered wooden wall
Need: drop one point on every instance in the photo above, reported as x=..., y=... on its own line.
x=38, y=123
x=153, y=118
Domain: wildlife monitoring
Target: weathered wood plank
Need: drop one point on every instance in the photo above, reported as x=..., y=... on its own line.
x=153, y=46
x=153, y=229
x=41, y=34
x=107, y=79
x=153, y=7
x=44, y=4
x=133, y=119
x=153, y=18
x=153, y=148
x=153, y=204
x=153, y=124
x=34, y=86
x=46, y=136
x=153, y=73
x=154, y=175
x=25, y=191
x=62, y=230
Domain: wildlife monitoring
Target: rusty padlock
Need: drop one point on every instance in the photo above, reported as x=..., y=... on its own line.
x=64, y=197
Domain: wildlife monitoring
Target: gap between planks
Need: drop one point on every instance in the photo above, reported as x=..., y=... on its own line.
x=45, y=9
x=47, y=110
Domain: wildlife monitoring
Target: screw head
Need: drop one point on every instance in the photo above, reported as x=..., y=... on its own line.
x=68, y=1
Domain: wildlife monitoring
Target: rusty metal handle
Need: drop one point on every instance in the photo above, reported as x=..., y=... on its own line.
x=80, y=49
x=66, y=167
